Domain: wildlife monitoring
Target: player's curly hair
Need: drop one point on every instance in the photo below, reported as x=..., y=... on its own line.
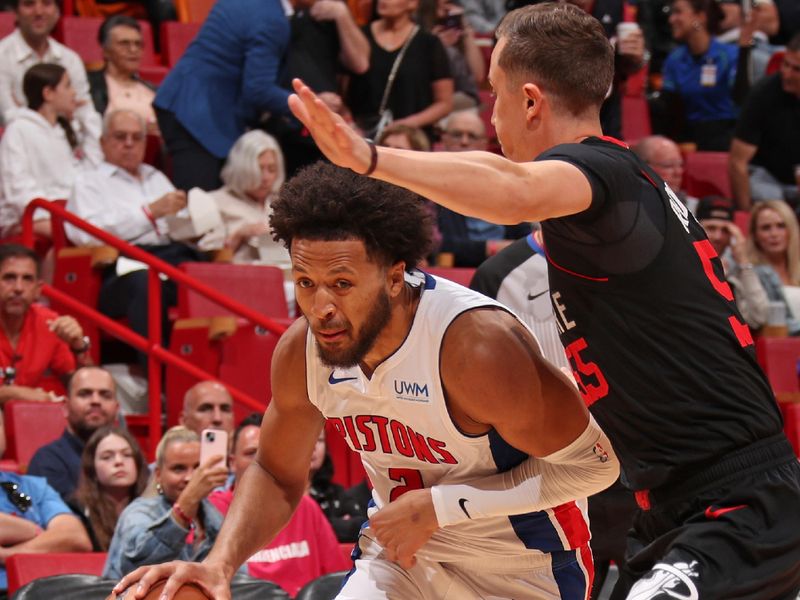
x=324, y=202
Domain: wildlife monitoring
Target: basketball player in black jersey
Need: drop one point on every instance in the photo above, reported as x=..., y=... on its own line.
x=660, y=353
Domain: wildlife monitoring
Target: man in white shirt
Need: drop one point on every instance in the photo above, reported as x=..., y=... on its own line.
x=130, y=200
x=29, y=44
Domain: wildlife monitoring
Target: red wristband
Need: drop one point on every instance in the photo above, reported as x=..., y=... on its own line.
x=182, y=515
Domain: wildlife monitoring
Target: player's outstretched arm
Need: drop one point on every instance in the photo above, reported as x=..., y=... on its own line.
x=289, y=431
x=461, y=181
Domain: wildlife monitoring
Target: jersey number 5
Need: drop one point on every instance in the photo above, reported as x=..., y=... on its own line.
x=410, y=479
x=706, y=252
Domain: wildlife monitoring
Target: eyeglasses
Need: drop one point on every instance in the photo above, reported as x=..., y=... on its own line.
x=22, y=502
x=123, y=136
x=457, y=135
x=130, y=44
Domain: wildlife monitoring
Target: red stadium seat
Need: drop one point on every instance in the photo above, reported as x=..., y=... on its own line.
x=460, y=275
x=24, y=568
x=742, y=220
x=8, y=21
x=791, y=423
x=29, y=426
x=706, y=174
x=775, y=62
x=193, y=11
x=635, y=118
x=779, y=358
x=175, y=38
x=259, y=287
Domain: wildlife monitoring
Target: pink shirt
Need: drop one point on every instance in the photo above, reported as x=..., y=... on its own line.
x=304, y=550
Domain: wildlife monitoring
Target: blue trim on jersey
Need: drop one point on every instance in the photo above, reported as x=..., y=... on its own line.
x=569, y=576
x=356, y=553
x=430, y=282
x=534, y=246
x=533, y=529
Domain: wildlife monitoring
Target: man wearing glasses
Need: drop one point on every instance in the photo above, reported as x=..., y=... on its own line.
x=34, y=520
x=665, y=158
x=765, y=156
x=470, y=241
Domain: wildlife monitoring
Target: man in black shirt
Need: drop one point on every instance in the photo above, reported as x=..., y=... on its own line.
x=764, y=151
x=649, y=324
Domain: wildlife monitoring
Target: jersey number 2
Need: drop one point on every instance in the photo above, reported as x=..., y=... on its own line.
x=410, y=479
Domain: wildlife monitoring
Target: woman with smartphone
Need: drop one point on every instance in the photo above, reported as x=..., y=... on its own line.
x=180, y=522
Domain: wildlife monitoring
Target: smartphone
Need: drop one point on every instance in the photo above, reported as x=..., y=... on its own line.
x=213, y=442
x=451, y=21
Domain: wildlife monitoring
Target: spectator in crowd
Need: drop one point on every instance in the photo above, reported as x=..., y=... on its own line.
x=774, y=247
x=155, y=530
x=665, y=158
x=225, y=81
x=715, y=214
x=29, y=44
x=764, y=22
x=484, y=15
x=703, y=78
x=468, y=239
x=306, y=548
x=252, y=175
x=421, y=90
x=629, y=56
x=113, y=474
x=35, y=520
x=117, y=85
x=345, y=509
x=325, y=42
x=788, y=21
x=91, y=404
x=405, y=137
x=764, y=150
x=129, y=199
x=207, y=404
x=40, y=152
x=34, y=340
x=467, y=64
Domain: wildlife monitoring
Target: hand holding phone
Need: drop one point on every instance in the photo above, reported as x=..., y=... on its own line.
x=213, y=442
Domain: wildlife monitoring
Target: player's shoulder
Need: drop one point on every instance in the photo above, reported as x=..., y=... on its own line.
x=291, y=346
x=481, y=331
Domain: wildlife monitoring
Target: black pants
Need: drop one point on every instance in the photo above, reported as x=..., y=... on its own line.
x=735, y=535
x=192, y=164
x=126, y=296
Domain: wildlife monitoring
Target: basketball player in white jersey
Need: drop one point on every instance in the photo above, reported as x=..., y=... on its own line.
x=476, y=446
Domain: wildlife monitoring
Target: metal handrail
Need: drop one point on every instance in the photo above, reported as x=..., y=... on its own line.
x=152, y=345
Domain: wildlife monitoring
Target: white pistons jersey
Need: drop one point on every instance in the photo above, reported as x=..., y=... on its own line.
x=399, y=423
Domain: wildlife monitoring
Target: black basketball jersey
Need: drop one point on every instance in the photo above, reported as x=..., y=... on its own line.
x=662, y=357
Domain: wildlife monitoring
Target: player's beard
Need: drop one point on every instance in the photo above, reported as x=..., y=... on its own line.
x=375, y=322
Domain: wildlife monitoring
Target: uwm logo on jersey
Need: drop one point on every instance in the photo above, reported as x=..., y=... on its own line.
x=411, y=390
x=374, y=433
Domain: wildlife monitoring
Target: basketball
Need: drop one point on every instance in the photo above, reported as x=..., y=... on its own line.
x=188, y=591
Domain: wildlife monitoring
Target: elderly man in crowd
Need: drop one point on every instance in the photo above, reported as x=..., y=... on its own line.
x=129, y=199
x=207, y=405
x=91, y=403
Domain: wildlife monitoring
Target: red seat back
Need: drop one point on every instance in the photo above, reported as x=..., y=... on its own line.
x=635, y=118
x=259, y=287
x=175, y=38
x=24, y=568
x=775, y=62
x=8, y=21
x=791, y=423
x=778, y=357
x=29, y=426
x=706, y=174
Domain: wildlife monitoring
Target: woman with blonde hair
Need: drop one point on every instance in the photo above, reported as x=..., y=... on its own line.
x=253, y=173
x=113, y=474
x=774, y=247
x=179, y=523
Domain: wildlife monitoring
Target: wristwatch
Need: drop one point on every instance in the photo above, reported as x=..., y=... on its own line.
x=87, y=343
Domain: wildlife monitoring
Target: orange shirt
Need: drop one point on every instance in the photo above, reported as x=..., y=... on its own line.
x=39, y=353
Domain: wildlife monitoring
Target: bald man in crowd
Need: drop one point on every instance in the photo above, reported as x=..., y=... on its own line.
x=207, y=404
